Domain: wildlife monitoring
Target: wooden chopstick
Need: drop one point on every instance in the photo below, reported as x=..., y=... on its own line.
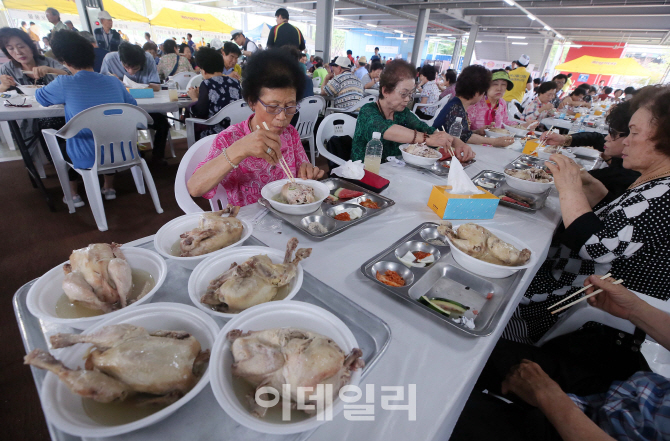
x=577, y=292
x=598, y=291
x=282, y=162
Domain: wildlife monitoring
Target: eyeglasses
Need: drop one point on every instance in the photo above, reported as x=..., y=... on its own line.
x=276, y=110
x=615, y=134
x=23, y=104
x=407, y=94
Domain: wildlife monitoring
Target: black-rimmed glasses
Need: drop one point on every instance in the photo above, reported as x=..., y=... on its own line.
x=615, y=134
x=276, y=110
x=23, y=104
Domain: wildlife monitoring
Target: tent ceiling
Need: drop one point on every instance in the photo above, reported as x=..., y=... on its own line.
x=625, y=21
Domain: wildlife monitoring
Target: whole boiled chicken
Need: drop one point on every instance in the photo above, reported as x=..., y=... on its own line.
x=156, y=368
x=253, y=282
x=297, y=194
x=481, y=244
x=98, y=277
x=214, y=232
x=299, y=358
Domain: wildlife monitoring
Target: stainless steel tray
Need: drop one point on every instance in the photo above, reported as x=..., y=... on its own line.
x=526, y=161
x=438, y=169
x=444, y=278
x=324, y=215
x=202, y=417
x=490, y=177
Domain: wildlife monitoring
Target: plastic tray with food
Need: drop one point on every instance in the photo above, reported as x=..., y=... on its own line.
x=371, y=334
x=440, y=168
x=510, y=197
x=421, y=269
x=346, y=205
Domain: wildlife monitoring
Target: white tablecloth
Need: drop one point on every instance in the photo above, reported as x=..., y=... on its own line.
x=160, y=103
x=443, y=363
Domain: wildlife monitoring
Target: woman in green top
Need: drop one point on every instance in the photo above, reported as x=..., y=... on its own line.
x=319, y=70
x=396, y=123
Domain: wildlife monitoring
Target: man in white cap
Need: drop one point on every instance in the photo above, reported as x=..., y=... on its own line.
x=521, y=79
x=248, y=47
x=107, y=37
x=342, y=84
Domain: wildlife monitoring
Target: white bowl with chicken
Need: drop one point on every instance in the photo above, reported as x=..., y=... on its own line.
x=532, y=180
x=317, y=332
x=191, y=238
x=48, y=301
x=216, y=288
x=419, y=154
x=300, y=197
x=163, y=331
x=520, y=253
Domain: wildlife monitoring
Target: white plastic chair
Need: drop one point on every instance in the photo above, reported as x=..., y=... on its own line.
x=237, y=111
x=354, y=108
x=513, y=110
x=194, y=82
x=194, y=156
x=334, y=125
x=182, y=79
x=114, y=128
x=310, y=108
x=438, y=107
x=316, y=81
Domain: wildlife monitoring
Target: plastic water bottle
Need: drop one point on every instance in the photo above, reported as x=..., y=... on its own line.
x=373, y=153
x=456, y=128
x=582, y=125
x=562, y=115
x=173, y=93
x=575, y=126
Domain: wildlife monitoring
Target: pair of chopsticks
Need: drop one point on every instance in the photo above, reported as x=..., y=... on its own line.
x=598, y=291
x=544, y=142
x=282, y=161
x=451, y=149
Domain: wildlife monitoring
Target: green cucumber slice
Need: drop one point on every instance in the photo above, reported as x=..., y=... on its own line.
x=444, y=306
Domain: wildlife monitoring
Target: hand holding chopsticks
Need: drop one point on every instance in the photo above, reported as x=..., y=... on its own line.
x=596, y=292
x=282, y=161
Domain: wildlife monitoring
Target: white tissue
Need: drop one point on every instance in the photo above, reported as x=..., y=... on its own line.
x=133, y=85
x=459, y=181
x=350, y=170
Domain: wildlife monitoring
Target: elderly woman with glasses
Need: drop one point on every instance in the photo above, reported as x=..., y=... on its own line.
x=396, y=123
x=245, y=157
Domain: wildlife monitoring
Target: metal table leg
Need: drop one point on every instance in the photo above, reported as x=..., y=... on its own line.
x=30, y=166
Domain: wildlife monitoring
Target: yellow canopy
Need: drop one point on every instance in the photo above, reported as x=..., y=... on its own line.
x=117, y=11
x=605, y=66
x=170, y=18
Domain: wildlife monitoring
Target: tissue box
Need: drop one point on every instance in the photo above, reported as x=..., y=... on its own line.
x=458, y=206
x=141, y=93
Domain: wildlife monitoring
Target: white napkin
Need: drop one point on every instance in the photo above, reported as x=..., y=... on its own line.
x=350, y=170
x=395, y=162
x=459, y=181
x=133, y=85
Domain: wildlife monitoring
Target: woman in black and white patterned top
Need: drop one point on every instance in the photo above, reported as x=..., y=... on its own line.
x=214, y=93
x=629, y=237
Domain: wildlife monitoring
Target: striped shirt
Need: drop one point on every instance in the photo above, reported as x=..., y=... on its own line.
x=635, y=409
x=346, y=89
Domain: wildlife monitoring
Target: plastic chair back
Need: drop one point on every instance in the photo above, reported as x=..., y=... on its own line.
x=310, y=108
x=438, y=107
x=236, y=111
x=194, y=156
x=114, y=133
x=334, y=125
x=194, y=82
x=182, y=79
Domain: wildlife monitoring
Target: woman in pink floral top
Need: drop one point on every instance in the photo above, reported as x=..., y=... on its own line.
x=492, y=110
x=244, y=158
